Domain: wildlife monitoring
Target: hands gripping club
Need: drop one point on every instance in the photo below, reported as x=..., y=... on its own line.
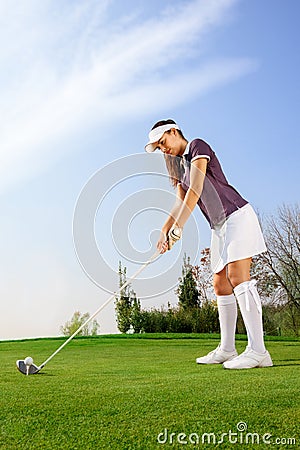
x=173, y=236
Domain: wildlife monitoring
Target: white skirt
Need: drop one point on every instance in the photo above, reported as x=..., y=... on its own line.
x=239, y=237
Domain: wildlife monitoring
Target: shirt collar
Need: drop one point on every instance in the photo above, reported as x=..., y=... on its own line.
x=184, y=160
x=187, y=149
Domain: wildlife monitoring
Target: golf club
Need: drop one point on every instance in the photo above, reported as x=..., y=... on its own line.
x=27, y=367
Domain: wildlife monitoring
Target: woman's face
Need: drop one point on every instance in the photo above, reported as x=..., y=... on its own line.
x=171, y=143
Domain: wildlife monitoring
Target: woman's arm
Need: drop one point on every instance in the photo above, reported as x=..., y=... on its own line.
x=197, y=176
x=162, y=244
x=185, y=202
x=180, y=195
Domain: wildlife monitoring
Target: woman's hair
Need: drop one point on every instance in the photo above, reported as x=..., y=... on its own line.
x=173, y=163
x=175, y=169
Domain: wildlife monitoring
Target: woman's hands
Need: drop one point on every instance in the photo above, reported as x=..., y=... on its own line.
x=166, y=241
x=174, y=235
x=162, y=243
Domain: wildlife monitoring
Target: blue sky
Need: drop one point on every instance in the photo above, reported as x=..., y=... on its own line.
x=80, y=86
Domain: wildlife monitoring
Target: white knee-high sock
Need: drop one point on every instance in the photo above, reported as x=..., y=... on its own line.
x=250, y=307
x=227, y=309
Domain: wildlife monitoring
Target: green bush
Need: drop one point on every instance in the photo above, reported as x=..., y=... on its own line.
x=202, y=319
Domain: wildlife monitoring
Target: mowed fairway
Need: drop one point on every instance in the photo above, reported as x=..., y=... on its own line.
x=126, y=392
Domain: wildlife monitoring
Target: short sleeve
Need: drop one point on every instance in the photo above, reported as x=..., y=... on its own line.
x=200, y=149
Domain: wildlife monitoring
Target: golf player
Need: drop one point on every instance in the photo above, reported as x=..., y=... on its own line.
x=197, y=175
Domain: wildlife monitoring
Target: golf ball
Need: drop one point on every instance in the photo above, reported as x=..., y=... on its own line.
x=28, y=361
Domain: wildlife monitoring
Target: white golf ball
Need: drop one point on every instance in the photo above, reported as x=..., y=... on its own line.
x=28, y=361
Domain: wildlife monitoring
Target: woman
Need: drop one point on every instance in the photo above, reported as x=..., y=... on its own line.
x=196, y=173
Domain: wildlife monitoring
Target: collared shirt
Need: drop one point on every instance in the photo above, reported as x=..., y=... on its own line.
x=218, y=199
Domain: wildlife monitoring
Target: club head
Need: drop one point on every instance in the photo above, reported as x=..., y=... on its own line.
x=27, y=370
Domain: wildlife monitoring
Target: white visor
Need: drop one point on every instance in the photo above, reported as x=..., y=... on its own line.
x=156, y=134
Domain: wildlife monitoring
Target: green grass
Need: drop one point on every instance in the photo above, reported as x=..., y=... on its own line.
x=121, y=392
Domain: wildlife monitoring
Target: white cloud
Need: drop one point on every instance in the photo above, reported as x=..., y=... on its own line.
x=66, y=66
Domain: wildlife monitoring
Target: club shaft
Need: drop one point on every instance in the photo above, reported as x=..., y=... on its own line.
x=100, y=308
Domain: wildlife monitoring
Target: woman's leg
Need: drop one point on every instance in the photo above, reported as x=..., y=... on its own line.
x=222, y=285
x=249, y=302
x=227, y=309
x=239, y=271
x=250, y=306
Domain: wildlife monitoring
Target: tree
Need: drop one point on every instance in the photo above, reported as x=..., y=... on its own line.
x=136, y=315
x=204, y=277
x=279, y=270
x=187, y=292
x=197, y=311
x=282, y=234
x=77, y=320
x=124, y=303
x=267, y=284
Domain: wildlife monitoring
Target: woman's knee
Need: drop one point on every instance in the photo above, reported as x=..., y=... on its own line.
x=221, y=284
x=221, y=289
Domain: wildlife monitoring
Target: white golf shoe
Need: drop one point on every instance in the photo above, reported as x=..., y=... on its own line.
x=217, y=356
x=249, y=359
